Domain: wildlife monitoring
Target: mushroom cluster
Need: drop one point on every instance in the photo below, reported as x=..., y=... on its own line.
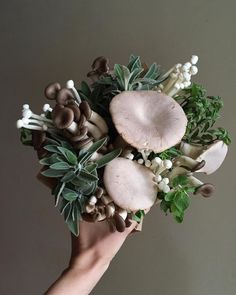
x=100, y=206
x=78, y=123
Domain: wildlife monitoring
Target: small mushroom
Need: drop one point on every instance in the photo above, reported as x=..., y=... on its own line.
x=64, y=96
x=129, y=184
x=189, y=163
x=206, y=190
x=148, y=119
x=52, y=90
x=110, y=210
x=99, y=67
x=119, y=222
x=213, y=155
x=63, y=117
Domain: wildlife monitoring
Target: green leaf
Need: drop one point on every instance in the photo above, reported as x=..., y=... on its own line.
x=52, y=148
x=90, y=168
x=26, y=136
x=59, y=193
x=72, y=222
x=69, y=194
x=69, y=155
x=108, y=157
x=180, y=180
x=69, y=176
x=60, y=166
x=152, y=72
x=54, y=158
x=52, y=173
x=170, y=196
x=164, y=206
x=134, y=63
x=181, y=201
x=86, y=155
x=118, y=71
x=85, y=89
x=86, y=176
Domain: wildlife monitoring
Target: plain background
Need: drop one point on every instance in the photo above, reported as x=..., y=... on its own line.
x=44, y=41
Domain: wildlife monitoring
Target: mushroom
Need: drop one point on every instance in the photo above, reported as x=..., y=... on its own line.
x=64, y=96
x=213, y=155
x=189, y=163
x=129, y=184
x=63, y=118
x=148, y=119
x=51, y=90
x=119, y=222
x=99, y=67
x=93, y=117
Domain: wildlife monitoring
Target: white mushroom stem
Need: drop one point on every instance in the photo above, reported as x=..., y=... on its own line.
x=99, y=121
x=193, y=181
x=172, y=80
x=110, y=210
x=27, y=113
x=70, y=85
x=73, y=128
x=20, y=124
x=191, y=150
x=94, y=130
x=164, y=165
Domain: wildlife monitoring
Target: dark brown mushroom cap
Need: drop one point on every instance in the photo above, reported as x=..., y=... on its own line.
x=129, y=184
x=51, y=90
x=99, y=66
x=72, y=105
x=56, y=109
x=85, y=109
x=119, y=222
x=64, y=96
x=63, y=118
x=148, y=119
x=200, y=165
x=206, y=190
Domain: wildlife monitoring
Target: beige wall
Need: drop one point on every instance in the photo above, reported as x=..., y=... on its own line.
x=42, y=41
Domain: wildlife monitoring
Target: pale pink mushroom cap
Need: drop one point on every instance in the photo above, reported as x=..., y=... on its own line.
x=213, y=156
x=129, y=184
x=148, y=119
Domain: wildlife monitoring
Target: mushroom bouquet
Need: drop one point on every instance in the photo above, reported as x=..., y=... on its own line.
x=133, y=138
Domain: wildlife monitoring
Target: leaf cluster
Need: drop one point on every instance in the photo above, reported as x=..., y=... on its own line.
x=177, y=200
x=202, y=111
x=76, y=174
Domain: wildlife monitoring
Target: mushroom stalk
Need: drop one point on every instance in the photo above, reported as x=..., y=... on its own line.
x=99, y=121
x=188, y=162
x=93, y=130
x=70, y=85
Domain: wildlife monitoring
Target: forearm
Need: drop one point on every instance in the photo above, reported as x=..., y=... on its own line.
x=81, y=276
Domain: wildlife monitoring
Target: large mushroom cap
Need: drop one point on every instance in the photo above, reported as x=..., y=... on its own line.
x=129, y=184
x=214, y=156
x=148, y=119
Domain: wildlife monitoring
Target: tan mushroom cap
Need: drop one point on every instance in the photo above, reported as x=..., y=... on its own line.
x=129, y=184
x=148, y=119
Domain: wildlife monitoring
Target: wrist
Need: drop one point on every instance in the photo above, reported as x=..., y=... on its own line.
x=89, y=260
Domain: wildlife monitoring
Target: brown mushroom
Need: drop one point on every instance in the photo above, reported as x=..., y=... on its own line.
x=148, y=119
x=99, y=67
x=64, y=96
x=51, y=90
x=129, y=184
x=206, y=190
x=75, y=109
x=119, y=222
x=63, y=118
